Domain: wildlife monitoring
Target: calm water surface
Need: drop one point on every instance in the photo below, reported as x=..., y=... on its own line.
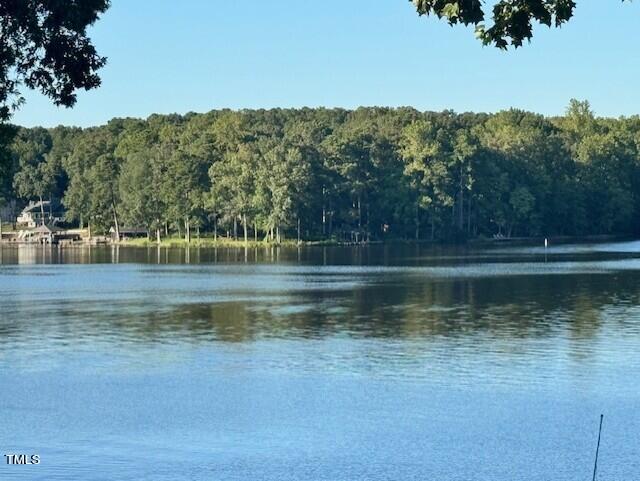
x=380, y=363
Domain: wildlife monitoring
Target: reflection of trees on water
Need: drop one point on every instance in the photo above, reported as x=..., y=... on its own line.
x=377, y=255
x=396, y=306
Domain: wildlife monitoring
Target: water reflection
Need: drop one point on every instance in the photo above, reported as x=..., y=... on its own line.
x=385, y=362
x=384, y=255
x=481, y=301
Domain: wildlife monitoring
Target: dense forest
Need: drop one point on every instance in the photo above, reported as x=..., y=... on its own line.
x=366, y=174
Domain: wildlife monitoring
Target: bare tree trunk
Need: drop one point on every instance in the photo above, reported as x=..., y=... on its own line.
x=187, y=230
x=368, y=223
x=235, y=227
x=158, y=240
x=324, y=213
x=255, y=231
x=461, y=211
x=469, y=215
x=278, y=234
x=298, y=230
x=244, y=226
x=41, y=211
x=115, y=221
x=324, y=221
x=215, y=229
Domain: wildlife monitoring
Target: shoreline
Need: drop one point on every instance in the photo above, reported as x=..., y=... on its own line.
x=208, y=242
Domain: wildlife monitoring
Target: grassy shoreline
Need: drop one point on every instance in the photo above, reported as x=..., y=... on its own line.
x=240, y=243
x=207, y=242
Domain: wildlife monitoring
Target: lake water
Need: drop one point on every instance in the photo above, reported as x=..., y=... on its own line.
x=379, y=363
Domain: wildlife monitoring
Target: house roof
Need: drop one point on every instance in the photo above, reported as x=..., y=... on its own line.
x=35, y=205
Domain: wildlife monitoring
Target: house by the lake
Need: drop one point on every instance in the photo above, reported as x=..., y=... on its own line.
x=127, y=233
x=37, y=213
x=47, y=234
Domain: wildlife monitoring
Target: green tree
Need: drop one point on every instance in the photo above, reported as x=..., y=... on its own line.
x=104, y=192
x=233, y=186
x=140, y=181
x=427, y=151
x=93, y=169
x=44, y=45
x=8, y=164
x=182, y=174
x=360, y=152
x=283, y=179
x=37, y=171
x=524, y=152
x=331, y=173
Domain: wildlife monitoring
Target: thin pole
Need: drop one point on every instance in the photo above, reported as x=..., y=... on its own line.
x=595, y=466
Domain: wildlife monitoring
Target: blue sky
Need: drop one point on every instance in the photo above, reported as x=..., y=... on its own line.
x=197, y=55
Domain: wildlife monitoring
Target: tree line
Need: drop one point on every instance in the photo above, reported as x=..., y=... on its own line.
x=347, y=175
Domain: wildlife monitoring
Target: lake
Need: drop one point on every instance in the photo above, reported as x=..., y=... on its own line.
x=366, y=363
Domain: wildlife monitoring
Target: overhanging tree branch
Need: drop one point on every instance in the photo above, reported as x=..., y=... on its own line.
x=512, y=21
x=44, y=46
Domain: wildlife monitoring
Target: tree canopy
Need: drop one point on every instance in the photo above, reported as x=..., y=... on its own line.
x=44, y=46
x=348, y=175
x=511, y=21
